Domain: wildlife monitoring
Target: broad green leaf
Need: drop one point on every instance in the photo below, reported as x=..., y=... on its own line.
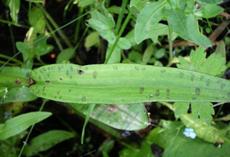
x=46, y=141
x=8, y=148
x=186, y=26
x=213, y=65
x=14, y=6
x=147, y=19
x=124, y=117
x=20, y=123
x=170, y=136
x=92, y=40
x=125, y=84
x=209, y=10
x=148, y=54
x=65, y=55
x=37, y=20
x=202, y=129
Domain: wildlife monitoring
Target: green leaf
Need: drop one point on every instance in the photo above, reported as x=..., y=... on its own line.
x=213, y=65
x=20, y=123
x=84, y=3
x=209, y=10
x=170, y=137
x=202, y=129
x=92, y=40
x=65, y=55
x=202, y=111
x=46, y=141
x=186, y=26
x=147, y=19
x=37, y=20
x=14, y=6
x=125, y=84
x=104, y=24
x=124, y=117
x=16, y=94
x=138, y=4
x=13, y=85
x=116, y=55
x=211, y=1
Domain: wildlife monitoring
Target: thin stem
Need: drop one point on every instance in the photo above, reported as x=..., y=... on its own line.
x=121, y=15
x=170, y=46
x=30, y=131
x=119, y=35
x=55, y=25
x=55, y=37
x=13, y=59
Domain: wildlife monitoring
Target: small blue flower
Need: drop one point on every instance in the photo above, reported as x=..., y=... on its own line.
x=189, y=132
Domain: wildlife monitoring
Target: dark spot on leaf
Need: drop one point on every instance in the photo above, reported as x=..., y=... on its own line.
x=201, y=77
x=94, y=74
x=18, y=81
x=207, y=82
x=192, y=77
x=67, y=72
x=69, y=90
x=83, y=98
x=197, y=91
x=163, y=71
x=141, y=90
x=80, y=72
x=167, y=93
x=228, y=94
x=222, y=85
x=47, y=81
x=157, y=92
x=60, y=78
x=115, y=67
x=58, y=92
x=193, y=98
x=137, y=68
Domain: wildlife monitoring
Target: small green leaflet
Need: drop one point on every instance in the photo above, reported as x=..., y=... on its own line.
x=125, y=84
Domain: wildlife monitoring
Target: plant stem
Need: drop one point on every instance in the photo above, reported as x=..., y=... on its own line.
x=30, y=131
x=55, y=25
x=13, y=59
x=120, y=17
x=118, y=37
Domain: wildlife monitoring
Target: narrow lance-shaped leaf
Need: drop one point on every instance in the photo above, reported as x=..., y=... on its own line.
x=126, y=83
x=20, y=123
x=46, y=141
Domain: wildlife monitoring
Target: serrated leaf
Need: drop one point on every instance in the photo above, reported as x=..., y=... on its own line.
x=20, y=123
x=186, y=26
x=147, y=19
x=46, y=141
x=124, y=117
x=213, y=65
